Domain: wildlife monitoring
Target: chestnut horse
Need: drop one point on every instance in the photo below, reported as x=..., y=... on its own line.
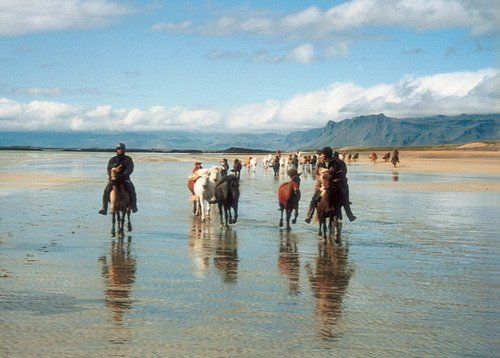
x=289, y=197
x=329, y=205
x=119, y=204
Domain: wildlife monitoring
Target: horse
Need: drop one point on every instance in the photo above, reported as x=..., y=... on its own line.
x=227, y=193
x=204, y=191
x=276, y=167
x=329, y=205
x=119, y=204
x=252, y=165
x=386, y=157
x=289, y=197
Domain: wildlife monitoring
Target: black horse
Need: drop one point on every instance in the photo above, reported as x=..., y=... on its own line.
x=276, y=167
x=227, y=193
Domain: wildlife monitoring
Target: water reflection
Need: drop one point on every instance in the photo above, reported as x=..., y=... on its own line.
x=395, y=176
x=119, y=274
x=329, y=281
x=226, y=255
x=221, y=245
x=288, y=260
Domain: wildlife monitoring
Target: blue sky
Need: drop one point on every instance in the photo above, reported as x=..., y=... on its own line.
x=251, y=65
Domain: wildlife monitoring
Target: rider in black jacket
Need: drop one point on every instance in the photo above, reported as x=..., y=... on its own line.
x=127, y=167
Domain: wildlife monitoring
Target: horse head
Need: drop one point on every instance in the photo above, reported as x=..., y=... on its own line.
x=295, y=178
x=113, y=173
x=215, y=173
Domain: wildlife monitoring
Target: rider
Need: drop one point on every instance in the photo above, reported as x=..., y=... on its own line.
x=340, y=173
x=225, y=167
x=197, y=166
x=330, y=160
x=126, y=168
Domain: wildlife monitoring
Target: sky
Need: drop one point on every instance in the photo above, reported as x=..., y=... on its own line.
x=242, y=66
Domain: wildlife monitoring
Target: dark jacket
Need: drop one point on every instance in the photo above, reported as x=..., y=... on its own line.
x=127, y=166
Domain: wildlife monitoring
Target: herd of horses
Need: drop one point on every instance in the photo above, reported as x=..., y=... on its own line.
x=210, y=186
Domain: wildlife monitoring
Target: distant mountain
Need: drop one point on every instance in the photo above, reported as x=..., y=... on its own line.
x=379, y=130
x=143, y=140
x=372, y=130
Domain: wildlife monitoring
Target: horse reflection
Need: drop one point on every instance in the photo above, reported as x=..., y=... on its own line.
x=329, y=282
x=395, y=176
x=288, y=261
x=222, y=247
x=119, y=274
x=200, y=245
x=226, y=255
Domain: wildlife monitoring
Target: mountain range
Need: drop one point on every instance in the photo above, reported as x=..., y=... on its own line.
x=370, y=130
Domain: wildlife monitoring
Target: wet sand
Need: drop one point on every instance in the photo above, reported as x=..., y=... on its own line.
x=415, y=275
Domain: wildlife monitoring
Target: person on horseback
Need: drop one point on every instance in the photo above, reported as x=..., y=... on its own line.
x=331, y=161
x=126, y=165
x=225, y=167
x=197, y=166
x=340, y=173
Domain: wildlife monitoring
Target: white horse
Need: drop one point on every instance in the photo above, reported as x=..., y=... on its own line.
x=204, y=190
x=253, y=165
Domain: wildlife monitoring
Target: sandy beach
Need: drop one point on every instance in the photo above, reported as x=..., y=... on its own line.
x=474, y=161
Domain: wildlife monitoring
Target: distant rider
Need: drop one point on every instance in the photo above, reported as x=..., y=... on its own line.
x=126, y=168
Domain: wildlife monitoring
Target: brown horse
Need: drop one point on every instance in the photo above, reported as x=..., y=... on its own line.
x=289, y=197
x=119, y=204
x=329, y=205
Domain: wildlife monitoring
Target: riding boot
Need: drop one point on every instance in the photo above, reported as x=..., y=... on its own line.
x=347, y=208
x=105, y=199
x=312, y=206
x=133, y=196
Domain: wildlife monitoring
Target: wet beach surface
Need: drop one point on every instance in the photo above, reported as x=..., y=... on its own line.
x=415, y=275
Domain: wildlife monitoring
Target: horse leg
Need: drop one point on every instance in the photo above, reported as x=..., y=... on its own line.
x=226, y=214
x=319, y=230
x=288, y=215
x=235, y=207
x=281, y=218
x=195, y=206
x=202, y=208
x=330, y=226
x=219, y=204
x=113, y=221
x=119, y=223
x=338, y=228
x=129, y=224
x=294, y=220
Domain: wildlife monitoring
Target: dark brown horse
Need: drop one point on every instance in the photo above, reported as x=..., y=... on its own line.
x=119, y=204
x=227, y=193
x=329, y=205
x=289, y=197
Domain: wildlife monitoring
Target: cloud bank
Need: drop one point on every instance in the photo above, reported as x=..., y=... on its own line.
x=447, y=93
x=21, y=17
x=480, y=17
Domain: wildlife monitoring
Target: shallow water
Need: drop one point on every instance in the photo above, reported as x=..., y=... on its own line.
x=415, y=275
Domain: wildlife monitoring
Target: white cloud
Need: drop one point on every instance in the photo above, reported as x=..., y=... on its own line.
x=479, y=17
x=39, y=91
x=302, y=54
x=27, y=16
x=446, y=93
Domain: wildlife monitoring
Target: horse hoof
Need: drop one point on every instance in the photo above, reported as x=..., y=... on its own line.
x=288, y=228
x=113, y=234
x=294, y=221
x=129, y=227
x=281, y=223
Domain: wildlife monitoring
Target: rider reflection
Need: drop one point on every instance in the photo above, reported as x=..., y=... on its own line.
x=119, y=275
x=329, y=282
x=288, y=261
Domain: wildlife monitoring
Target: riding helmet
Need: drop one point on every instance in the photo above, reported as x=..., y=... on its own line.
x=327, y=151
x=120, y=146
